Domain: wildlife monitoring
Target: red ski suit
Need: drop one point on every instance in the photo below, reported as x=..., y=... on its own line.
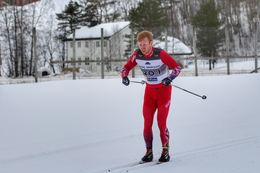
x=157, y=96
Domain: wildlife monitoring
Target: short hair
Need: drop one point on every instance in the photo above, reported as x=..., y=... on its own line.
x=143, y=34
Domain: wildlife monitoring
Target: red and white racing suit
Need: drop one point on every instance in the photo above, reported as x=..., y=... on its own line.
x=157, y=96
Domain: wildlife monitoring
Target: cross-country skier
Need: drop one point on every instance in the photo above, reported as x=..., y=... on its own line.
x=154, y=63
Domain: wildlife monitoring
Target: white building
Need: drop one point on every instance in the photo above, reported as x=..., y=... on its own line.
x=88, y=44
x=176, y=48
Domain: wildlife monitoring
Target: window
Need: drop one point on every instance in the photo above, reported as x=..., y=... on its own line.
x=105, y=43
x=106, y=60
x=97, y=43
x=79, y=44
x=98, y=59
x=86, y=44
x=71, y=44
x=79, y=59
x=87, y=61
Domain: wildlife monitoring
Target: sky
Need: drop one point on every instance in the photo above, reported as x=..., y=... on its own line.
x=94, y=125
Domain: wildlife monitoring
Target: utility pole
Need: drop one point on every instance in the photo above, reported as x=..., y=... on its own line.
x=35, y=56
x=227, y=48
x=256, y=35
x=227, y=42
x=195, y=50
x=102, y=54
x=74, y=54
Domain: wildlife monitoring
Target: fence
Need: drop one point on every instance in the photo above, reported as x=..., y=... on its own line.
x=192, y=66
x=198, y=66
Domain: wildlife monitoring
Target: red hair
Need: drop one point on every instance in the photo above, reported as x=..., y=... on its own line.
x=145, y=34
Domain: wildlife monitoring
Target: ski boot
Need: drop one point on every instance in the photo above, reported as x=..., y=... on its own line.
x=148, y=157
x=165, y=157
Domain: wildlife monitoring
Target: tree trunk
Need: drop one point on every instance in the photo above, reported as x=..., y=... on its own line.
x=52, y=65
x=31, y=58
x=22, y=45
x=10, y=69
x=16, y=58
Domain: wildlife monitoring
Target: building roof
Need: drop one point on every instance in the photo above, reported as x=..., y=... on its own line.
x=16, y=2
x=179, y=46
x=95, y=31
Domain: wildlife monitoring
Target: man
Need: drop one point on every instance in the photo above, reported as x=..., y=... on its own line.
x=153, y=62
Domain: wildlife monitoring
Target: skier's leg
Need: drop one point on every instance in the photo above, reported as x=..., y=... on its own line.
x=149, y=108
x=164, y=101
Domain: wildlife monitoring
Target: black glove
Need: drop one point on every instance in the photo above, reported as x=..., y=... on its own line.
x=167, y=81
x=125, y=81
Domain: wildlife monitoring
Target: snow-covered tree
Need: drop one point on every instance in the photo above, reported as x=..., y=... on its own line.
x=149, y=15
x=209, y=34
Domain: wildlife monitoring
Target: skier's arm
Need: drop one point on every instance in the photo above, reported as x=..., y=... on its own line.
x=131, y=63
x=171, y=63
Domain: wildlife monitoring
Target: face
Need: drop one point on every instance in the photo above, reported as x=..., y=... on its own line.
x=145, y=45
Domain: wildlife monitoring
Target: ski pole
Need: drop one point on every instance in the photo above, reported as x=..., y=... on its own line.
x=201, y=96
x=140, y=82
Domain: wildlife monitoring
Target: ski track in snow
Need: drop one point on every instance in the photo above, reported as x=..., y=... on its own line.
x=63, y=150
x=182, y=155
x=220, y=134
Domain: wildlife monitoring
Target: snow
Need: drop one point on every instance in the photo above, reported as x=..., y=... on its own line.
x=93, y=125
x=177, y=47
x=60, y=5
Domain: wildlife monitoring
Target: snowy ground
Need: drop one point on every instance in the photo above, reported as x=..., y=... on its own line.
x=93, y=125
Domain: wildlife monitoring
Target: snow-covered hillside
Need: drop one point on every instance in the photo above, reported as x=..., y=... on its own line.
x=93, y=125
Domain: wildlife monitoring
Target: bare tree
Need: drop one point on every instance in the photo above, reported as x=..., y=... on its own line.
x=8, y=39
x=50, y=42
x=36, y=17
x=125, y=6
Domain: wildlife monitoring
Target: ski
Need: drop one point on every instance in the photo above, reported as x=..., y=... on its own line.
x=122, y=166
x=130, y=166
x=143, y=165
